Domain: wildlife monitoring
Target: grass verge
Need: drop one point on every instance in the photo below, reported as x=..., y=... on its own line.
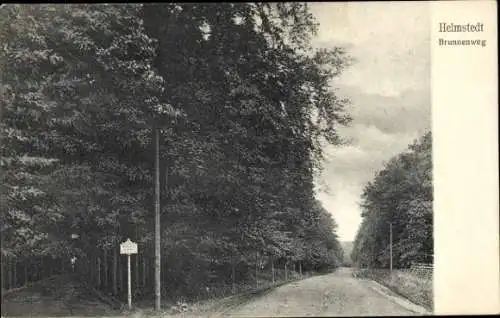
x=415, y=288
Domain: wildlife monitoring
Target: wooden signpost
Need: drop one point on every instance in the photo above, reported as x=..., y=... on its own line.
x=128, y=247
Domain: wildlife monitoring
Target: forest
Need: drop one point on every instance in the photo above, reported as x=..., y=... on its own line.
x=400, y=196
x=243, y=106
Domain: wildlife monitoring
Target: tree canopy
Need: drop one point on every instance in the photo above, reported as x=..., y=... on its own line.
x=242, y=103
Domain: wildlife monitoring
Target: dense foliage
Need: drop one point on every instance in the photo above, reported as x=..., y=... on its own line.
x=401, y=194
x=242, y=104
x=347, y=248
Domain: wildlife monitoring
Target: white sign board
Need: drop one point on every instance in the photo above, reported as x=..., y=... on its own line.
x=128, y=247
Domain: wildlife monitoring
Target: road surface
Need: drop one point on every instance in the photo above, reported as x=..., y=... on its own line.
x=336, y=294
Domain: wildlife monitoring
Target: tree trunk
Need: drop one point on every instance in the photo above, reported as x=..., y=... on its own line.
x=286, y=273
x=136, y=278
x=256, y=270
x=2, y=259
x=14, y=274
x=233, y=276
x=106, y=278
x=98, y=272
x=91, y=270
x=2, y=278
x=115, y=272
x=120, y=274
x=144, y=270
x=164, y=269
x=272, y=268
x=36, y=270
x=300, y=268
x=137, y=273
x=26, y=280
x=42, y=272
x=9, y=273
x=51, y=268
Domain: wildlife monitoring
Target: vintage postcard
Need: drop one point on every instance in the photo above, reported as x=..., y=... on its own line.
x=250, y=159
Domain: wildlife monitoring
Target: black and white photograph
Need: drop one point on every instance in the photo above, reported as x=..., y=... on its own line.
x=216, y=159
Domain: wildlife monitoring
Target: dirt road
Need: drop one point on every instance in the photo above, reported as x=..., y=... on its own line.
x=336, y=294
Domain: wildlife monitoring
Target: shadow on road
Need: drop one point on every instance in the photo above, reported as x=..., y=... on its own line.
x=55, y=296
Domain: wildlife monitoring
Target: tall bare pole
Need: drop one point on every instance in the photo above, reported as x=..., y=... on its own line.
x=157, y=223
x=390, y=246
x=129, y=283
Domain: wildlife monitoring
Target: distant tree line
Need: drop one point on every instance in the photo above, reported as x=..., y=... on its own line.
x=242, y=104
x=401, y=194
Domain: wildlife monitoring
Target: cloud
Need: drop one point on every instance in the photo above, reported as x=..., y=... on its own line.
x=405, y=113
x=382, y=127
x=390, y=42
x=389, y=87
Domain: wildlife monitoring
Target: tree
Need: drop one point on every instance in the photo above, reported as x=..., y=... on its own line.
x=81, y=89
x=243, y=105
x=401, y=194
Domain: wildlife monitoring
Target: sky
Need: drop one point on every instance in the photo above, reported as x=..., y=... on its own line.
x=389, y=88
